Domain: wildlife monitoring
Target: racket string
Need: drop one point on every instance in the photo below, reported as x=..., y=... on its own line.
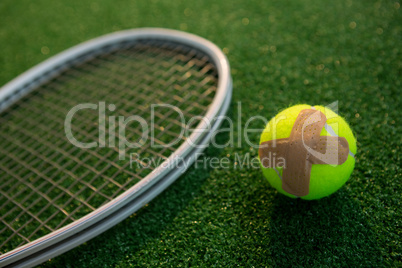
x=46, y=182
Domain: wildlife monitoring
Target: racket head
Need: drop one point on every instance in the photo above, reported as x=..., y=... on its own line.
x=152, y=183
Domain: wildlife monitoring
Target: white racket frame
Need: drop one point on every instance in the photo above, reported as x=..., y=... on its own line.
x=138, y=195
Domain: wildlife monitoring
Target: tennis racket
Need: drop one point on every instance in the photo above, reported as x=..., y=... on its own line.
x=94, y=133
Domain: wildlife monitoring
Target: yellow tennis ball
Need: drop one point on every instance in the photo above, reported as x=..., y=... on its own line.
x=309, y=152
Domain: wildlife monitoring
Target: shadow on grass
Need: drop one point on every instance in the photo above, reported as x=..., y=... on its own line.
x=327, y=232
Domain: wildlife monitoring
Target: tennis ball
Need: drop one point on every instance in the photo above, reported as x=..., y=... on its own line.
x=308, y=152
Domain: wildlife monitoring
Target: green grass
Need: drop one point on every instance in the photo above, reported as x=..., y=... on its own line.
x=281, y=53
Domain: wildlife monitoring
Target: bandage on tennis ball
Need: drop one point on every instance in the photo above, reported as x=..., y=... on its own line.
x=307, y=152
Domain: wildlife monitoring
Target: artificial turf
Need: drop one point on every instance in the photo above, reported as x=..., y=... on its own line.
x=281, y=53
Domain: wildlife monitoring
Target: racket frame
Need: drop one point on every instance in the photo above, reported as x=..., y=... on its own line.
x=73, y=234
